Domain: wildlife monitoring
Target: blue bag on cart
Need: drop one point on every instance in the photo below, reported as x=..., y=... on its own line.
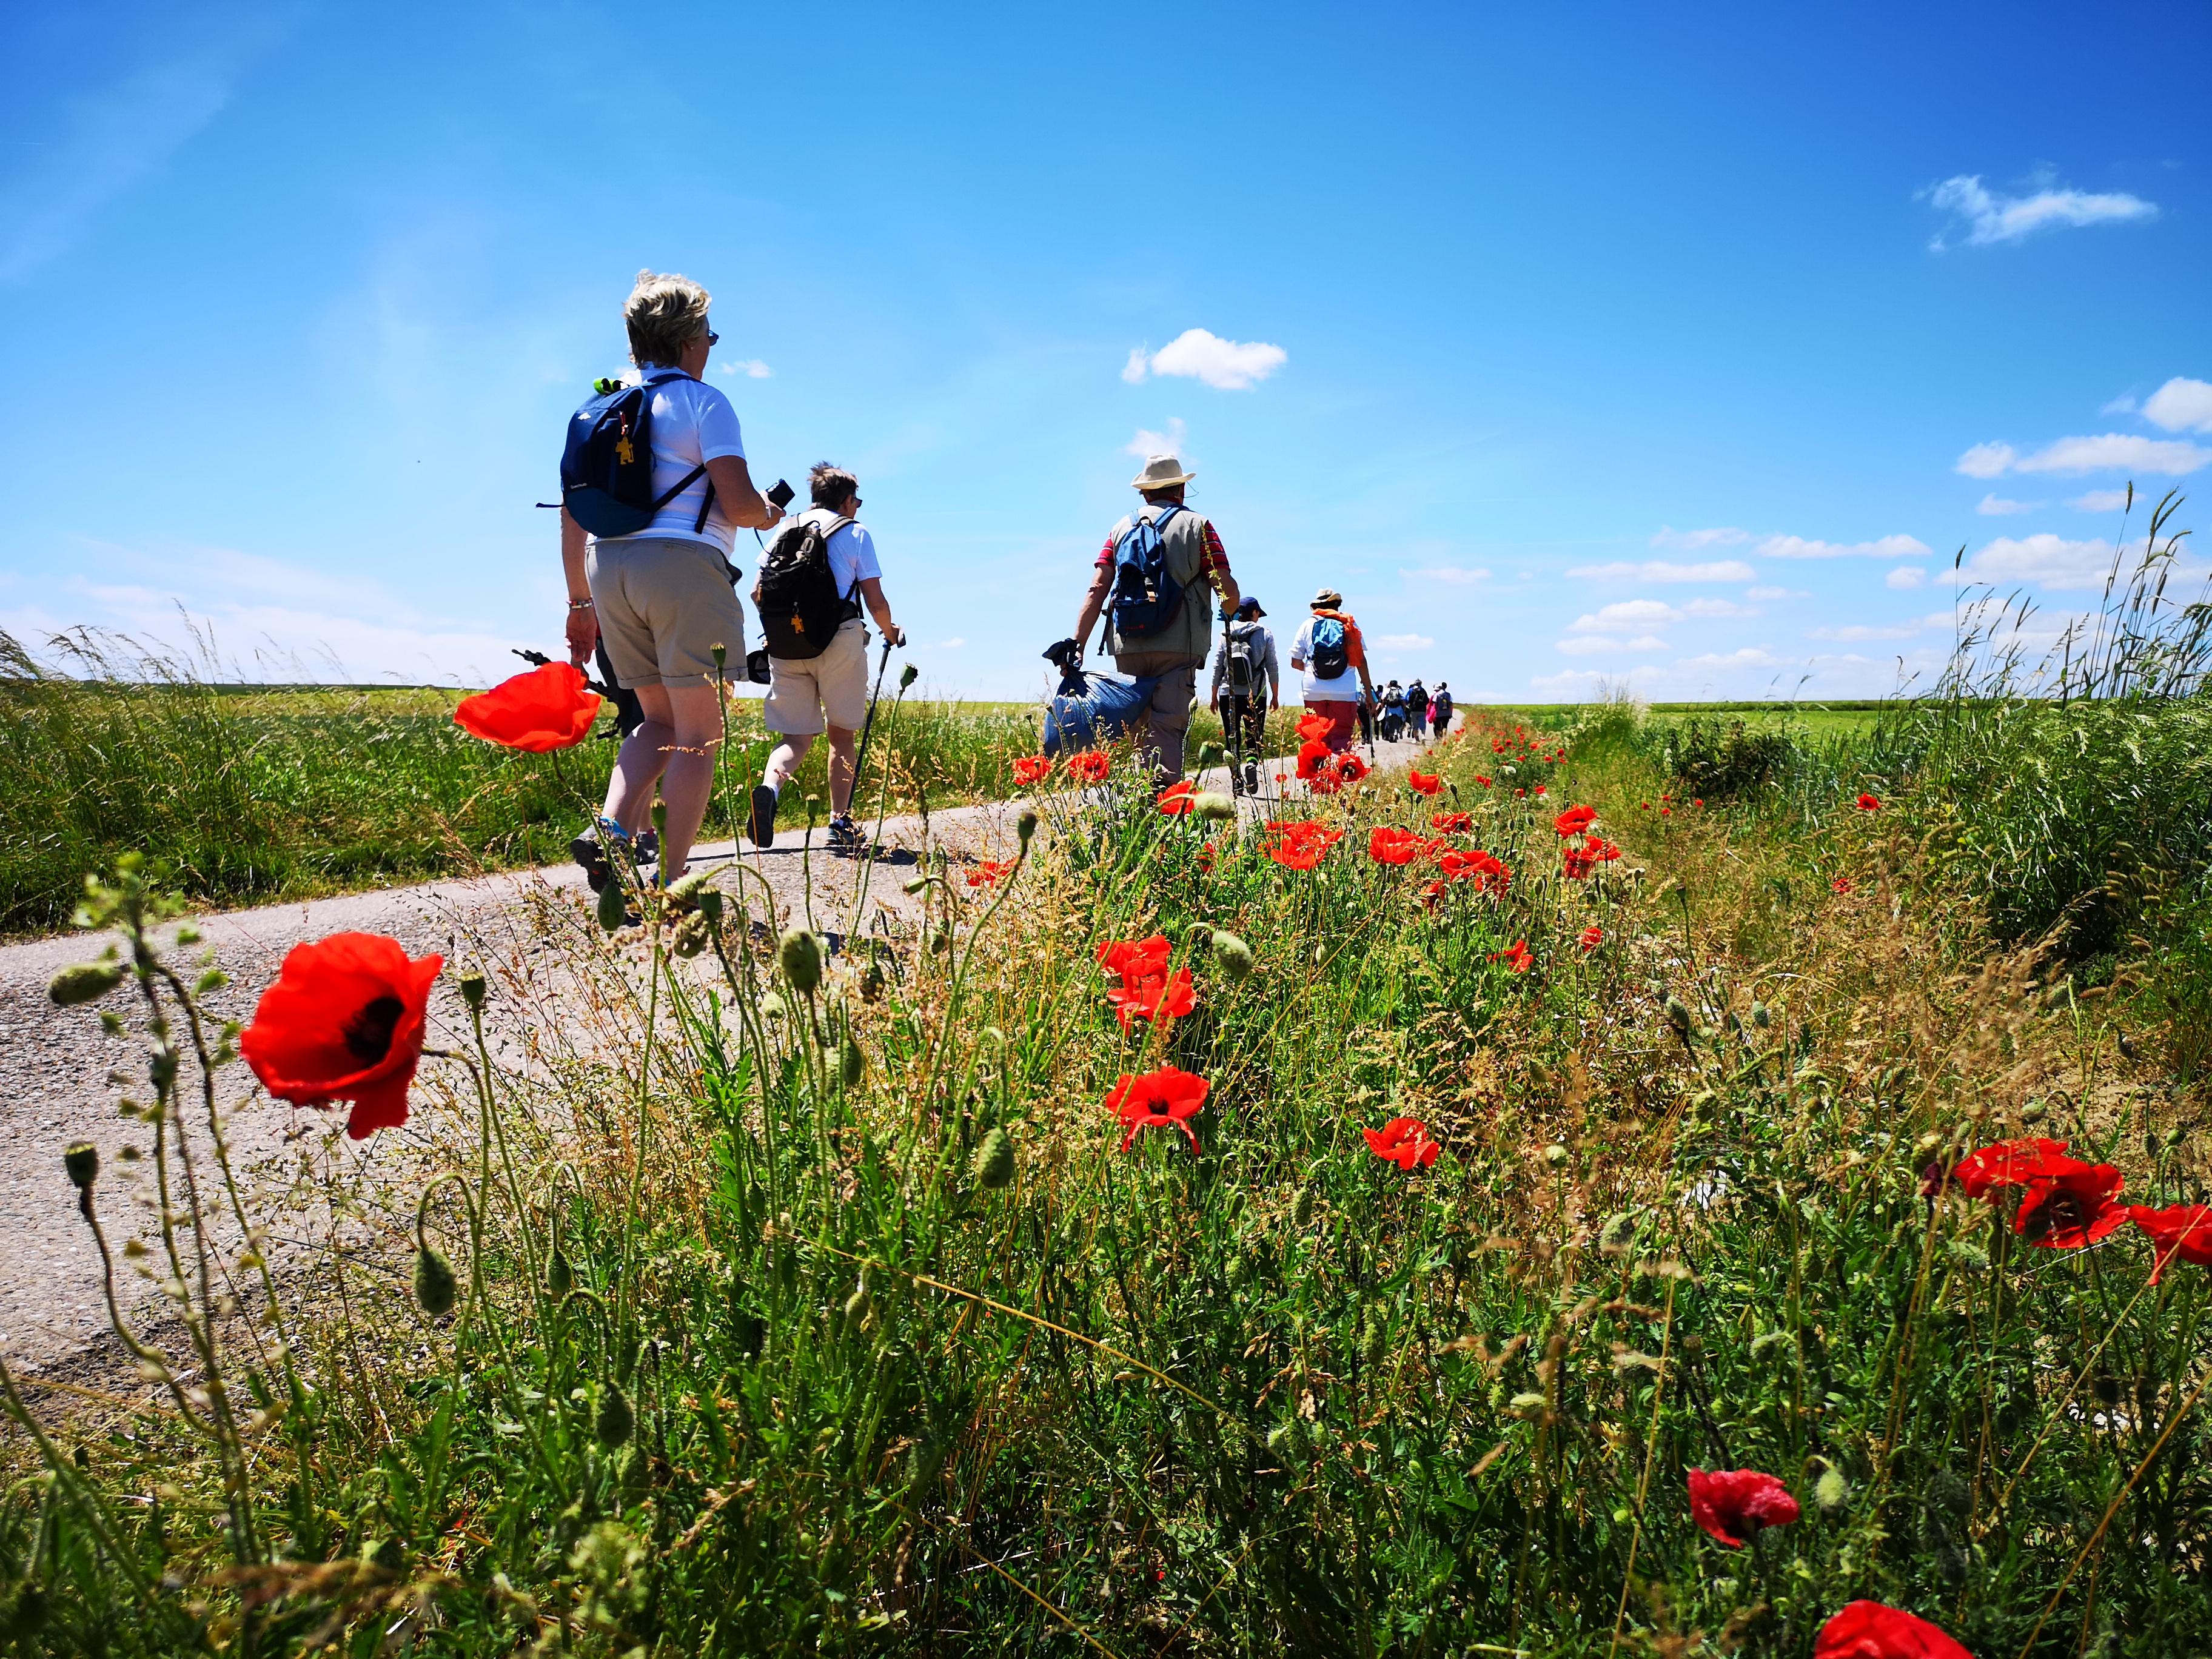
x=1090, y=710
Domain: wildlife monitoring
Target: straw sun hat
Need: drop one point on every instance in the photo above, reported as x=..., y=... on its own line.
x=1162, y=472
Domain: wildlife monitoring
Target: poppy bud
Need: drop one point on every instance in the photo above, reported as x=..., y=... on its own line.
x=690, y=887
x=908, y=675
x=914, y=886
x=1679, y=1016
x=710, y=905
x=801, y=957
x=691, y=936
x=611, y=906
x=1759, y=1016
x=852, y=1064
x=858, y=1306
x=560, y=1277
x=1025, y=824
x=472, y=990
x=721, y=654
x=1302, y=1212
x=1214, y=805
x=616, y=1419
x=1374, y=1344
x=660, y=817
x=1210, y=755
x=435, y=1287
x=1556, y=1154
x=994, y=1160
x=1832, y=1492
x=81, y=1159
x=1232, y=955
x=871, y=979
x=939, y=941
x=88, y=981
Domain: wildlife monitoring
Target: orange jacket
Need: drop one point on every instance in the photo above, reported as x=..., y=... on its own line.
x=1355, y=650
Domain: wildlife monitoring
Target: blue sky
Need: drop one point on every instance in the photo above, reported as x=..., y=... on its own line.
x=1683, y=346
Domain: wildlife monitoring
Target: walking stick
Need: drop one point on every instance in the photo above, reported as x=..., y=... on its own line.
x=1230, y=720
x=860, y=760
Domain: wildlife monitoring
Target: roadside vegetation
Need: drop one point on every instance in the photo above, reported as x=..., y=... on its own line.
x=1371, y=1232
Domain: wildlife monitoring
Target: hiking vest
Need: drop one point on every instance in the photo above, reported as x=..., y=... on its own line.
x=1191, y=632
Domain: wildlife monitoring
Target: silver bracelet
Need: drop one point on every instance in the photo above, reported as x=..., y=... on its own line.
x=580, y=604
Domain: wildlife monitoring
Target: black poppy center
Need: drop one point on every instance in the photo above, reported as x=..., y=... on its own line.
x=368, y=1033
x=2061, y=1212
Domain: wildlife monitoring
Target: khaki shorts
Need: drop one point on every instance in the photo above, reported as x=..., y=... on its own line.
x=803, y=690
x=664, y=603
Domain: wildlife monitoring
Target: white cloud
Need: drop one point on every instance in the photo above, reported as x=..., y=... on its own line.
x=1659, y=570
x=2101, y=501
x=1860, y=631
x=952, y=644
x=1194, y=354
x=1148, y=443
x=1587, y=645
x=2115, y=452
x=1992, y=218
x=1628, y=615
x=2181, y=405
x=1750, y=656
x=1405, y=641
x=1906, y=576
x=1446, y=573
x=751, y=368
x=1994, y=506
x=2123, y=404
x=1571, y=679
x=1985, y=460
x=1648, y=642
x=1694, y=541
x=1718, y=608
x=2050, y=560
x=1797, y=546
x=1774, y=593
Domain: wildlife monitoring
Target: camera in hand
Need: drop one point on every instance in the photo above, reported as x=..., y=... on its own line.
x=779, y=497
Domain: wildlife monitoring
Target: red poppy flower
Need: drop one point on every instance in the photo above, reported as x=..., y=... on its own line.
x=1868, y=804
x=1574, y=820
x=1484, y=782
x=2011, y=1163
x=988, y=874
x=1313, y=756
x=1868, y=1630
x=1581, y=860
x=2072, y=1207
x=1136, y=958
x=2179, y=1229
x=1091, y=765
x=1488, y=875
x=1313, y=725
x=1731, y=1504
x=1841, y=884
x=343, y=1022
x=1154, y=997
x=1540, y=788
x=1697, y=803
x=1388, y=844
x=1424, y=783
x=1405, y=1141
x=1451, y=822
x=1590, y=937
x=1432, y=892
x=1299, y=845
x=1207, y=855
x=1666, y=811
x=1178, y=799
x=1165, y=1099
x=545, y=709
x=1028, y=769
x=1516, y=957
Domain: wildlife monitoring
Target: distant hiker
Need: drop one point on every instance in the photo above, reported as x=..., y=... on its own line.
x=813, y=581
x=1440, y=709
x=1329, y=654
x=1417, y=711
x=1391, y=714
x=1247, y=681
x=646, y=531
x=1150, y=584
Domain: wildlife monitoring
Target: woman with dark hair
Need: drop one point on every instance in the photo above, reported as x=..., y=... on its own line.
x=661, y=598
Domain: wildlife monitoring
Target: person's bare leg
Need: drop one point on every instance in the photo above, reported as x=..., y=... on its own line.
x=689, y=783
x=643, y=758
x=786, y=759
x=843, y=746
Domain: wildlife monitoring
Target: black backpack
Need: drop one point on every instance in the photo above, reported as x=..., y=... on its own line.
x=800, y=608
x=606, y=465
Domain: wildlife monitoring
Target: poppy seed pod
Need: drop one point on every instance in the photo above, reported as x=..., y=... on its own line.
x=81, y=1159
x=616, y=1420
x=710, y=905
x=801, y=959
x=611, y=906
x=1215, y=805
x=939, y=941
x=852, y=1064
x=1679, y=1016
x=1832, y=1492
x=435, y=1287
x=1232, y=955
x=908, y=676
x=473, y=987
x=87, y=981
x=1025, y=824
x=1302, y=1212
x=560, y=1277
x=994, y=1160
x=721, y=655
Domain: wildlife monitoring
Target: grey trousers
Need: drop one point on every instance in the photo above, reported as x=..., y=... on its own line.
x=1168, y=716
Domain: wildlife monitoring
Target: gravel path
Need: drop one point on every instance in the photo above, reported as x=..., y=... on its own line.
x=61, y=1077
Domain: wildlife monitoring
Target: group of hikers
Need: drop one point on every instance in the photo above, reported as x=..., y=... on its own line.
x=655, y=487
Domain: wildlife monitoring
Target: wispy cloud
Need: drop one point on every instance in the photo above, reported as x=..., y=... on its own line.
x=751, y=368
x=1659, y=570
x=2052, y=561
x=1451, y=574
x=1197, y=355
x=1994, y=506
x=2110, y=451
x=1905, y=577
x=1696, y=540
x=2099, y=501
x=1749, y=656
x=1405, y=641
x=1148, y=443
x=1643, y=615
x=2181, y=405
x=1991, y=218
x=1858, y=632
x=1885, y=547
x=1774, y=593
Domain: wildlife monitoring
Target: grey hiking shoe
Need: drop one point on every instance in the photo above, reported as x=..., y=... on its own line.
x=589, y=849
x=845, y=837
x=762, y=828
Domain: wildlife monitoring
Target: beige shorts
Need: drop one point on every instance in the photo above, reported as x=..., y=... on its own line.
x=664, y=604
x=802, y=691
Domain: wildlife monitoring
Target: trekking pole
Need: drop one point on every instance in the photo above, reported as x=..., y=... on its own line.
x=1230, y=720
x=860, y=760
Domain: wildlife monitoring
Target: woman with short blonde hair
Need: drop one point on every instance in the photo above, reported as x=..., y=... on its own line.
x=662, y=597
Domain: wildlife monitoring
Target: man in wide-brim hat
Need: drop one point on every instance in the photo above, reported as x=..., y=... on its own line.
x=1160, y=630
x=1330, y=653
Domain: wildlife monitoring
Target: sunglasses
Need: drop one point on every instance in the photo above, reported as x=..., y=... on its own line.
x=712, y=338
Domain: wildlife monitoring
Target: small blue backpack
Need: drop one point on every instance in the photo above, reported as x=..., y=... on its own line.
x=606, y=465
x=1332, y=651
x=1146, y=598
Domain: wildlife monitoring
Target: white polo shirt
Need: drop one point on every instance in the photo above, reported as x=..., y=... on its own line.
x=692, y=423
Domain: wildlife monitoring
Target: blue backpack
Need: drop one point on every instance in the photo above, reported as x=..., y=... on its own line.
x=1332, y=651
x=606, y=466
x=1146, y=598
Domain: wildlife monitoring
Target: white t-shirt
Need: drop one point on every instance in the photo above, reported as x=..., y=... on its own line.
x=1344, y=687
x=692, y=423
x=851, y=552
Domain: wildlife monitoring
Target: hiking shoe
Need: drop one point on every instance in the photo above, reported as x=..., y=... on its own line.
x=589, y=849
x=762, y=826
x=845, y=837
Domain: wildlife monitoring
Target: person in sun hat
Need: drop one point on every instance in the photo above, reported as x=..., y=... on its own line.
x=1246, y=661
x=1159, y=626
x=1330, y=652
